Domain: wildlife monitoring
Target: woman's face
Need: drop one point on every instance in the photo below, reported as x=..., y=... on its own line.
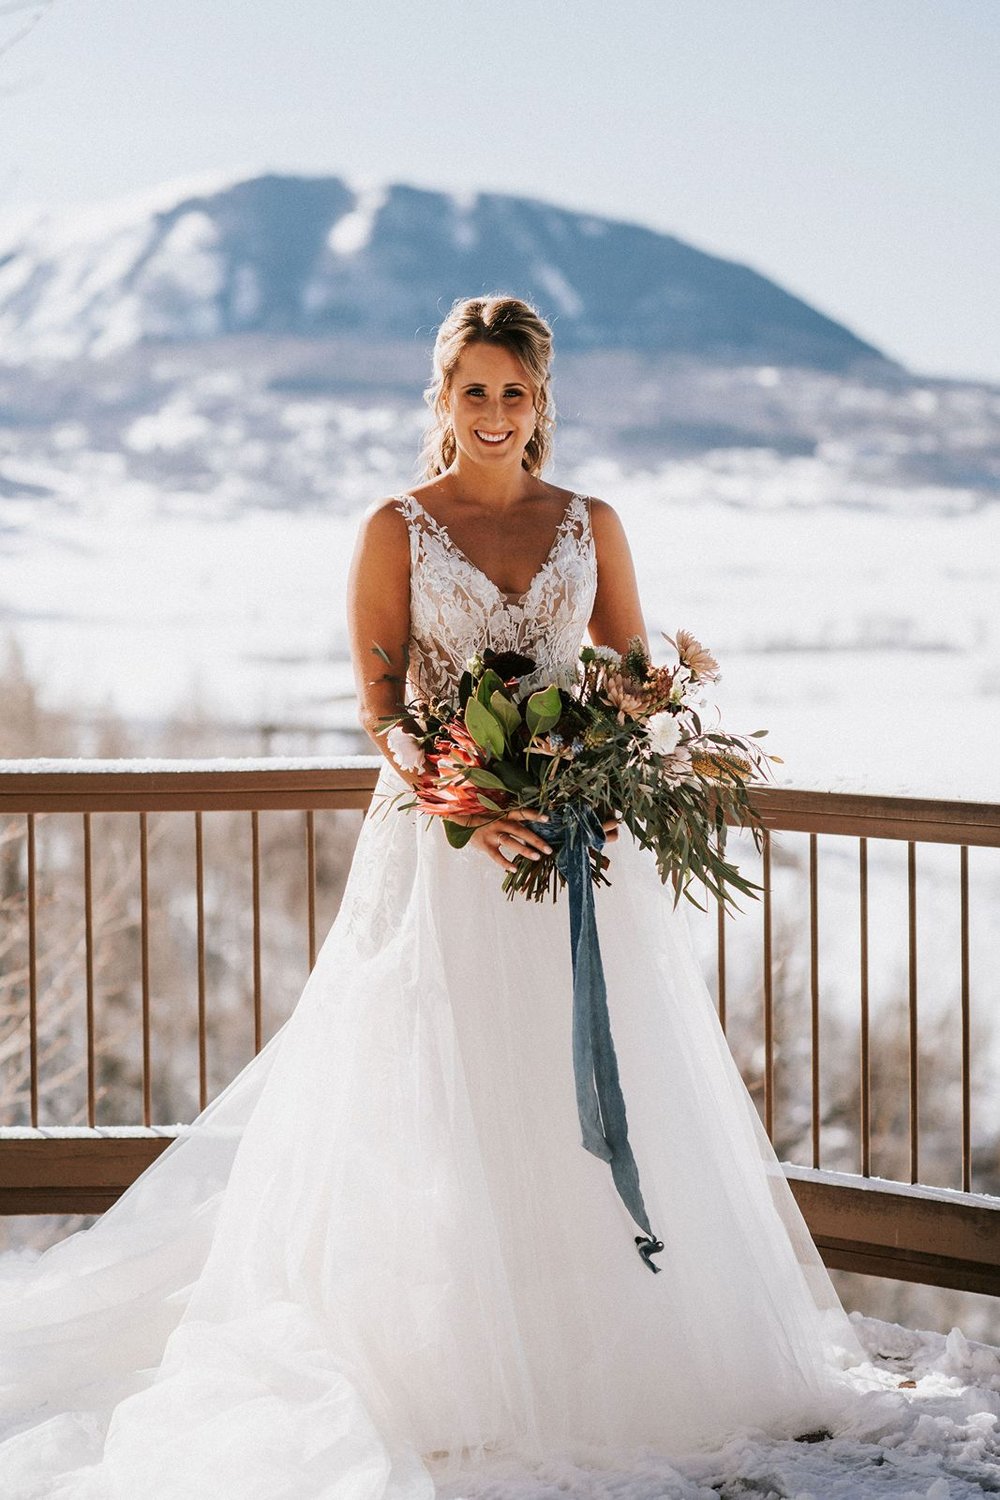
x=492, y=405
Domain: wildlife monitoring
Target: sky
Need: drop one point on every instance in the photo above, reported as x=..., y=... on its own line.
x=847, y=148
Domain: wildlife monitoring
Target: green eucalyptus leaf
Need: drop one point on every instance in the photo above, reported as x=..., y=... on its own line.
x=544, y=710
x=506, y=712
x=692, y=900
x=483, y=727
x=482, y=778
x=458, y=834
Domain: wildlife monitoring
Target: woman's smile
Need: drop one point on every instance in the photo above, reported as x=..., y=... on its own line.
x=491, y=402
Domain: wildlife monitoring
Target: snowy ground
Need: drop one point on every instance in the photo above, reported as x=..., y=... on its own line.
x=865, y=640
x=938, y=1439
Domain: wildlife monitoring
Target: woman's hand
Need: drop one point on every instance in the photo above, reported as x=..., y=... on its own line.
x=504, y=839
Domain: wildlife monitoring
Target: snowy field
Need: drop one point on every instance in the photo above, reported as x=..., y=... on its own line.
x=159, y=570
x=865, y=638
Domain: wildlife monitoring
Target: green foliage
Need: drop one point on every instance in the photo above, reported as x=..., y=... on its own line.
x=635, y=659
x=543, y=710
x=484, y=727
x=516, y=779
x=486, y=779
x=559, y=746
x=506, y=712
x=488, y=684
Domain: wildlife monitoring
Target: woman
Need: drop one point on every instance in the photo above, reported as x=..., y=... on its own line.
x=380, y=1262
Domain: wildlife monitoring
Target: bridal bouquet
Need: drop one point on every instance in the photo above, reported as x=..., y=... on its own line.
x=610, y=734
x=605, y=735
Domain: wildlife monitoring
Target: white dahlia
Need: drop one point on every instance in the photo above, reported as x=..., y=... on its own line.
x=663, y=731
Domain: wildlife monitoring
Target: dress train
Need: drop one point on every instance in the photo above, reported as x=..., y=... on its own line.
x=382, y=1255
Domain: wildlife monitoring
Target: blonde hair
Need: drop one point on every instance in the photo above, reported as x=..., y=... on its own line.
x=516, y=326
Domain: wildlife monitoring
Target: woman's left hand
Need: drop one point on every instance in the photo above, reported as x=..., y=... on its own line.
x=610, y=826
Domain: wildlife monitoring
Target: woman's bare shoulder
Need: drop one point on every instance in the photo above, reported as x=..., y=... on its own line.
x=604, y=518
x=383, y=524
x=385, y=505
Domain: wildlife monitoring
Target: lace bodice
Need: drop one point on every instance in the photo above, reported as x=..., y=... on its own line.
x=456, y=610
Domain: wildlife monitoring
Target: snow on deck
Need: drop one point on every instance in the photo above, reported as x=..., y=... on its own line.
x=220, y=765
x=938, y=1439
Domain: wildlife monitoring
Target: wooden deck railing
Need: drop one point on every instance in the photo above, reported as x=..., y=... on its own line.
x=52, y=999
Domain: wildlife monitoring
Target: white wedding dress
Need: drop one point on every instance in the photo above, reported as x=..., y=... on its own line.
x=381, y=1261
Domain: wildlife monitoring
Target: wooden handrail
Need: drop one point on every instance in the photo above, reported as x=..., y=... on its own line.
x=98, y=786
x=162, y=785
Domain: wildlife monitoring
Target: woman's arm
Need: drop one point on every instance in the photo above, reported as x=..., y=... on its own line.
x=617, y=612
x=378, y=613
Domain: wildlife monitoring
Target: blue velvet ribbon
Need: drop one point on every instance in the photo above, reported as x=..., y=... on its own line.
x=572, y=831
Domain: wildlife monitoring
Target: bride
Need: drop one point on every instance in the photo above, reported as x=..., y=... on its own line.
x=379, y=1265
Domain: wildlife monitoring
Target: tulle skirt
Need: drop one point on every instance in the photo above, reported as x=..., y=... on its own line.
x=381, y=1259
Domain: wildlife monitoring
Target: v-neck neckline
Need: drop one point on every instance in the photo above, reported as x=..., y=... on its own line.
x=449, y=541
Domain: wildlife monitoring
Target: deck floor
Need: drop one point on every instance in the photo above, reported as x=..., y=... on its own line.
x=937, y=1439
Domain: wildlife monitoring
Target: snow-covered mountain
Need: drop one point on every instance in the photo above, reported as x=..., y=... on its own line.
x=316, y=256
x=179, y=513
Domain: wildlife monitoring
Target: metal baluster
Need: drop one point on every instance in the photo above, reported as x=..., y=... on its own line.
x=311, y=882
x=911, y=885
x=147, y=1096
x=768, y=993
x=866, y=1114
x=88, y=921
x=257, y=1012
x=199, y=865
x=966, y=1049
x=32, y=974
x=814, y=989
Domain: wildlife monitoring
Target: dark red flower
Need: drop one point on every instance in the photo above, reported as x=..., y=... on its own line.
x=511, y=666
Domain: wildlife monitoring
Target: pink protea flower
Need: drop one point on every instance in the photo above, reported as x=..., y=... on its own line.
x=456, y=747
x=455, y=799
x=443, y=788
